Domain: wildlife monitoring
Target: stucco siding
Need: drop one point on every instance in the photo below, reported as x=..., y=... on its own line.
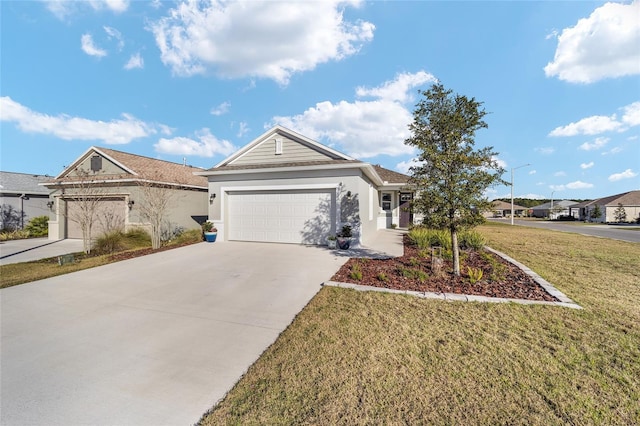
x=107, y=167
x=292, y=151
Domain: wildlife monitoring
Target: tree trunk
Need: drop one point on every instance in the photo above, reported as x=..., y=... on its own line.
x=456, y=252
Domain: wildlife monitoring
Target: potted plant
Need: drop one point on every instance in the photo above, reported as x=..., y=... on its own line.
x=344, y=237
x=331, y=241
x=210, y=232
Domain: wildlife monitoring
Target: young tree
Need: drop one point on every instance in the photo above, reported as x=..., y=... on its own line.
x=86, y=198
x=451, y=176
x=596, y=212
x=156, y=200
x=620, y=214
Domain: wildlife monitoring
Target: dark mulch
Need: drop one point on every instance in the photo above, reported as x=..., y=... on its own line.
x=415, y=271
x=143, y=252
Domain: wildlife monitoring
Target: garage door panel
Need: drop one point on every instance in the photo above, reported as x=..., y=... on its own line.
x=109, y=215
x=299, y=217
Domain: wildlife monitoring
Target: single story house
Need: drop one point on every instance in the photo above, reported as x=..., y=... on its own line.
x=116, y=186
x=503, y=209
x=554, y=209
x=285, y=187
x=22, y=198
x=630, y=202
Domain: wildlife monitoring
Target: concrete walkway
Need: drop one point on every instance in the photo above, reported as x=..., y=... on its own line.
x=385, y=244
x=16, y=251
x=155, y=340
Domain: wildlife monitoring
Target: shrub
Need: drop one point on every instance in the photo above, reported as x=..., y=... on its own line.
x=471, y=239
x=475, y=274
x=110, y=242
x=427, y=237
x=14, y=235
x=138, y=237
x=356, y=272
x=190, y=236
x=38, y=226
x=382, y=277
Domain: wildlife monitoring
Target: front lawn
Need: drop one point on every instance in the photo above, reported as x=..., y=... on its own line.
x=372, y=358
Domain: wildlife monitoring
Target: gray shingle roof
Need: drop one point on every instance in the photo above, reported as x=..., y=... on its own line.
x=390, y=176
x=22, y=183
x=631, y=198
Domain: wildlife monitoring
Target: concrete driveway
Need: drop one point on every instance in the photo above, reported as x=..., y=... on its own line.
x=29, y=249
x=155, y=340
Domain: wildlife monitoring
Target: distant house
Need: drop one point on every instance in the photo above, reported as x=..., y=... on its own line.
x=118, y=181
x=503, y=209
x=554, y=209
x=22, y=193
x=607, y=206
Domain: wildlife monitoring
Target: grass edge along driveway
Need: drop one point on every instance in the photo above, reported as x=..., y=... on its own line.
x=372, y=358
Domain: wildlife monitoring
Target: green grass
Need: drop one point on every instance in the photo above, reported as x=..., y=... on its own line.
x=20, y=273
x=375, y=358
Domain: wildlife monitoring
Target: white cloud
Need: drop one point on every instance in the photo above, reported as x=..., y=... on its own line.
x=499, y=162
x=399, y=89
x=572, y=185
x=207, y=145
x=604, y=45
x=223, y=108
x=404, y=166
x=363, y=129
x=627, y=174
x=272, y=40
x=134, y=62
x=243, y=129
x=89, y=47
x=63, y=8
x=120, y=131
x=585, y=166
x=114, y=34
x=546, y=150
x=560, y=173
x=533, y=172
x=598, y=143
x=613, y=150
x=631, y=114
x=588, y=126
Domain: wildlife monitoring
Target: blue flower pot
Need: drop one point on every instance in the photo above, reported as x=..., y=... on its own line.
x=210, y=237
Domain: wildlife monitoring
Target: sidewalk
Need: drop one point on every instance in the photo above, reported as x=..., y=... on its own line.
x=386, y=243
x=16, y=251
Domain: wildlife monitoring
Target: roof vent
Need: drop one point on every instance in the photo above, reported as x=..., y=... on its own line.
x=96, y=163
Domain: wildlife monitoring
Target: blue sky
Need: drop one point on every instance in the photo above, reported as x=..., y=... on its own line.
x=169, y=80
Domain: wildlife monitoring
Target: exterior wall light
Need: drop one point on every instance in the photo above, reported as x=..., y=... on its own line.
x=130, y=204
x=50, y=205
x=212, y=197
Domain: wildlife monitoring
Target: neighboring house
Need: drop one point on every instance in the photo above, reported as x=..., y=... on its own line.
x=285, y=187
x=630, y=201
x=503, y=209
x=120, y=182
x=555, y=209
x=21, y=192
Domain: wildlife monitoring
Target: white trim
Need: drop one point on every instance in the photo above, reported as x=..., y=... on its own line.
x=94, y=182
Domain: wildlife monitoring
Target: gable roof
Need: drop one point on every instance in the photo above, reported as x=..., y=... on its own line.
x=283, y=131
x=391, y=177
x=631, y=198
x=22, y=183
x=503, y=205
x=556, y=203
x=139, y=168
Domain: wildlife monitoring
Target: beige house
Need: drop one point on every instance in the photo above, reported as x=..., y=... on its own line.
x=501, y=208
x=630, y=201
x=285, y=187
x=118, y=183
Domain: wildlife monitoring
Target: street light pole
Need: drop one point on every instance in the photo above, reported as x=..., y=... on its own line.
x=512, y=169
x=551, y=209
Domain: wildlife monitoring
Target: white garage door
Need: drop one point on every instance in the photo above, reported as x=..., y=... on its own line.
x=109, y=215
x=300, y=217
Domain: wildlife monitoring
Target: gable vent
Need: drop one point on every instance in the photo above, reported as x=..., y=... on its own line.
x=278, y=146
x=96, y=163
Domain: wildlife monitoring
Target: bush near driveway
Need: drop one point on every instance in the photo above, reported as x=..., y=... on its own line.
x=371, y=358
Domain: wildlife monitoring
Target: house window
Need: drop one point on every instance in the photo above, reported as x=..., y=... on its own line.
x=278, y=146
x=386, y=201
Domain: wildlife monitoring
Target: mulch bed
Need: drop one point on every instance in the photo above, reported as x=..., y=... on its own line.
x=415, y=271
x=143, y=252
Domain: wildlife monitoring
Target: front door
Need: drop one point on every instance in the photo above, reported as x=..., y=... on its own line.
x=406, y=216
